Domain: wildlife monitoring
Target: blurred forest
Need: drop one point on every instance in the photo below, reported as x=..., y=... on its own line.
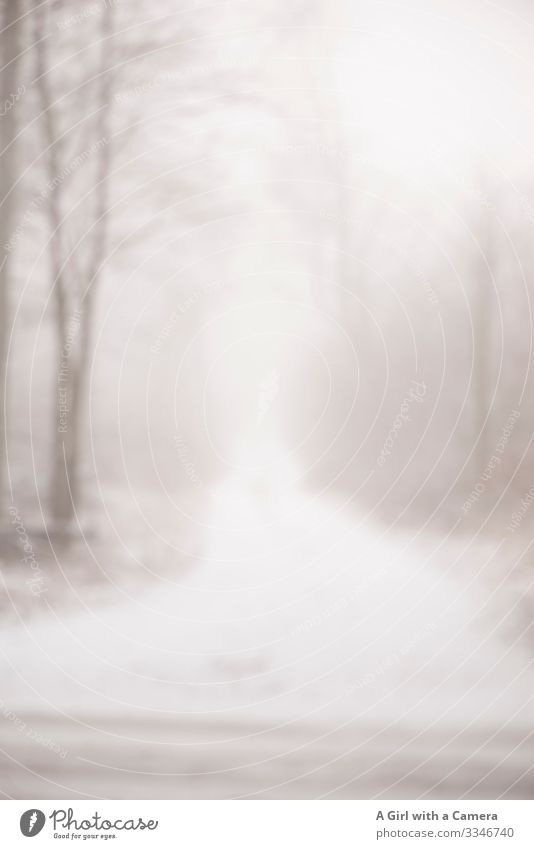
x=265, y=370
x=210, y=206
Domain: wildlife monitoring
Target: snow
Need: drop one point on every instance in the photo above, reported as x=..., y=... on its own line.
x=293, y=611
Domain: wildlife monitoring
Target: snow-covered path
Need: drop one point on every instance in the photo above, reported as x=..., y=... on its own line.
x=301, y=655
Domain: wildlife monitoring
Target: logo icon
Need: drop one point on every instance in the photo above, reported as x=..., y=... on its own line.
x=32, y=822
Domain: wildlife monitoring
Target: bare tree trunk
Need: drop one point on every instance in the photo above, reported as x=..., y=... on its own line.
x=8, y=86
x=64, y=477
x=61, y=503
x=481, y=382
x=482, y=312
x=74, y=327
x=100, y=231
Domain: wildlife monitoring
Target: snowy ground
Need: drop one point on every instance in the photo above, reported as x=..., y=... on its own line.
x=303, y=655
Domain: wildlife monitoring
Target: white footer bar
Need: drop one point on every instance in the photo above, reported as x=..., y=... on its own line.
x=268, y=824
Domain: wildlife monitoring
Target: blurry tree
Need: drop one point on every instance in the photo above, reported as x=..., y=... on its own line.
x=11, y=91
x=485, y=272
x=75, y=88
x=358, y=214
